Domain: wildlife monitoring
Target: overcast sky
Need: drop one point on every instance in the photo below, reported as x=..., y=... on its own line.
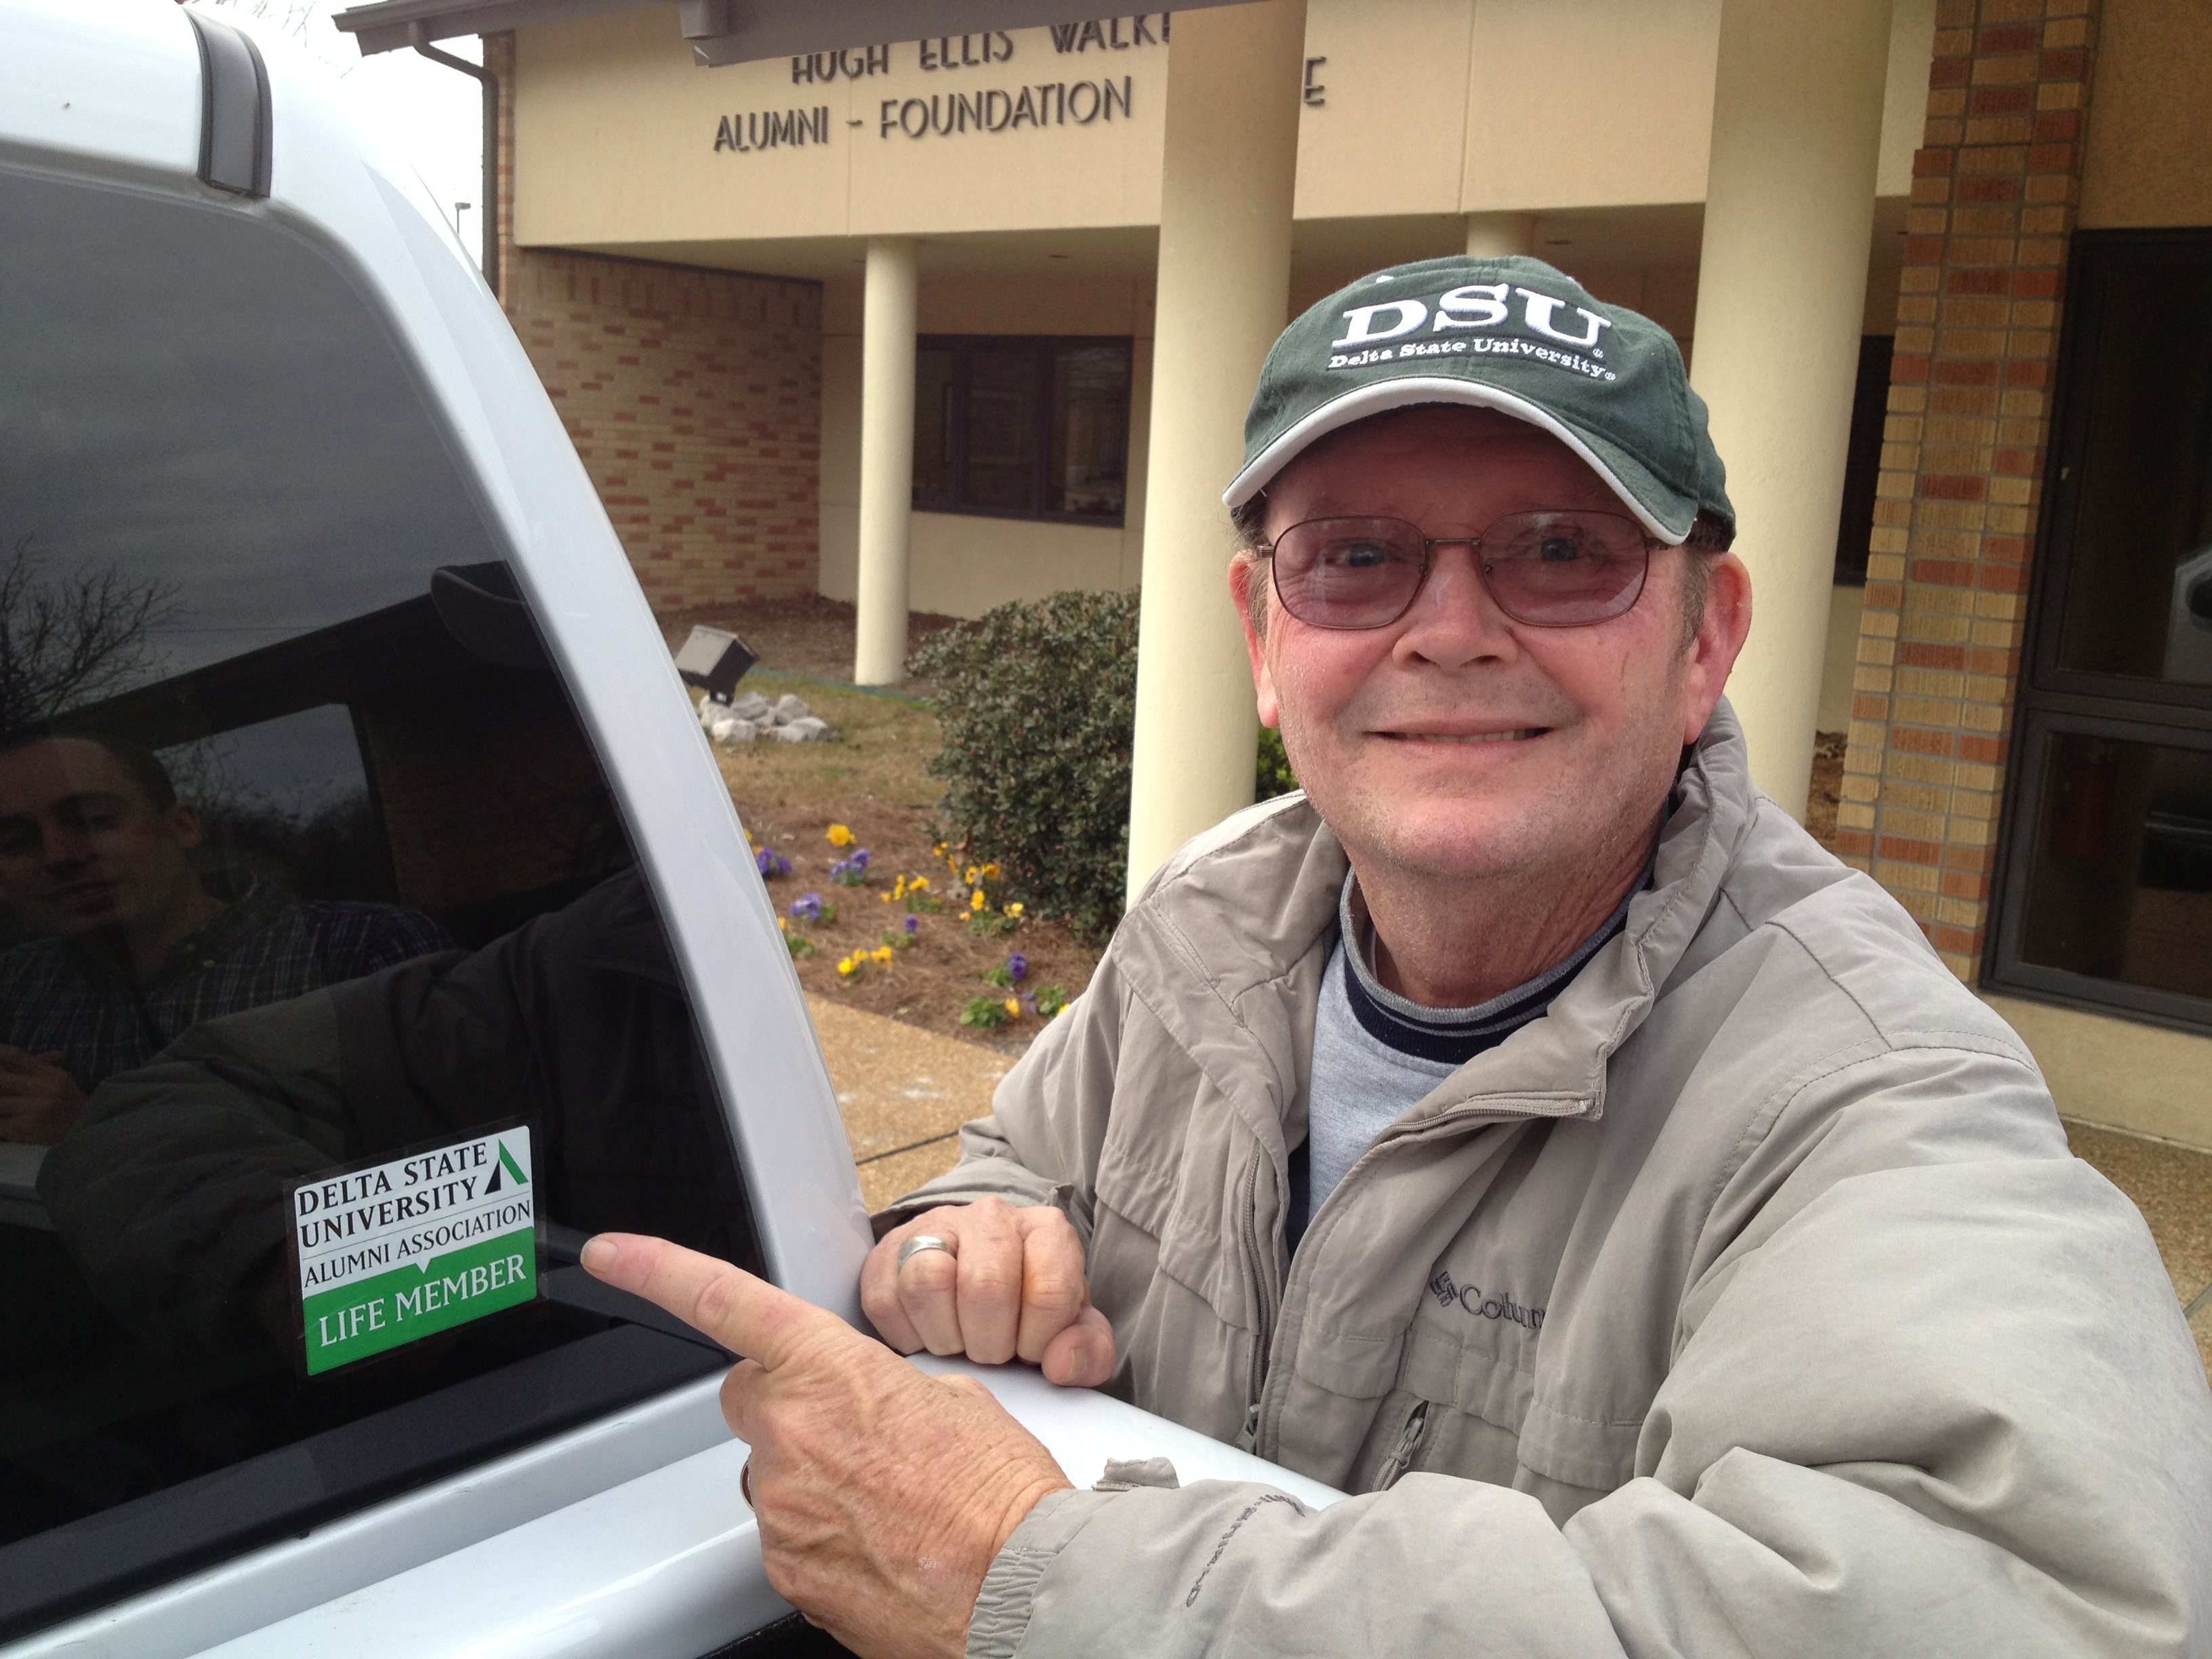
x=435, y=115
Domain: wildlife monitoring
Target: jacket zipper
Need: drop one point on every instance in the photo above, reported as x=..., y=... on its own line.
x=1409, y=1439
x=1248, y=1437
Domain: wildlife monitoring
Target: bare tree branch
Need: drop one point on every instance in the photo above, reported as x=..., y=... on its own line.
x=73, y=639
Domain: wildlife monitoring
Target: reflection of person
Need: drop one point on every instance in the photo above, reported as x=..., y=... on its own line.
x=96, y=854
x=1529, y=1128
x=171, y=1192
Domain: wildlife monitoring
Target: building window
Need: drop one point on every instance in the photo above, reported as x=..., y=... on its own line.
x=2105, y=894
x=1016, y=427
x=1863, y=459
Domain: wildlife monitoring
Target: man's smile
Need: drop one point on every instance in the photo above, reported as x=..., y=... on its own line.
x=1516, y=734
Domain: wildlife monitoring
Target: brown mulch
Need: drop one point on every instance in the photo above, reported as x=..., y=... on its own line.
x=789, y=799
x=1827, y=791
x=929, y=983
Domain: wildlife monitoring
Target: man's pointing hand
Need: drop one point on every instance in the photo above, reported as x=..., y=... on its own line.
x=883, y=1494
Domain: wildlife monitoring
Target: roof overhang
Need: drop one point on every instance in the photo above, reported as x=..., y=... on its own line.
x=724, y=31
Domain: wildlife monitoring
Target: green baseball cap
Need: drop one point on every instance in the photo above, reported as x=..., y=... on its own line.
x=1511, y=334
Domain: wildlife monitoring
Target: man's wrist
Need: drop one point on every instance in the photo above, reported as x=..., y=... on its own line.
x=1018, y=1508
x=1001, y=1615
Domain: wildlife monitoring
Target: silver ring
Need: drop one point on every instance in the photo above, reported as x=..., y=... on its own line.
x=921, y=1242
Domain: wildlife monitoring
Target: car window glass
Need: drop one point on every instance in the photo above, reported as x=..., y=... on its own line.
x=309, y=879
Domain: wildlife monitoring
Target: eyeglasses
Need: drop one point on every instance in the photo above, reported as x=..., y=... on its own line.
x=1544, y=569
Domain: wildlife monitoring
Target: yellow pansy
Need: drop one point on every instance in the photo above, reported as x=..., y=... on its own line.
x=1014, y=1007
x=1015, y=910
x=840, y=836
x=975, y=900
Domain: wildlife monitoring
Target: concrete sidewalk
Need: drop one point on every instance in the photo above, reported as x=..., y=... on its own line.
x=2172, y=1187
x=905, y=1093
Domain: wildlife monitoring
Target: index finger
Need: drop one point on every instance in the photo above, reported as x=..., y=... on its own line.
x=744, y=1314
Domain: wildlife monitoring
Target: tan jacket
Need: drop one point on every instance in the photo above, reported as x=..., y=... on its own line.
x=1749, y=1301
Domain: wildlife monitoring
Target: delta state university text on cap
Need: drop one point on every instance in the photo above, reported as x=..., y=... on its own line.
x=1510, y=334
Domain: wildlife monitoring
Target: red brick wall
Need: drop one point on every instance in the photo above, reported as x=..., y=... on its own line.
x=694, y=397
x=1993, y=202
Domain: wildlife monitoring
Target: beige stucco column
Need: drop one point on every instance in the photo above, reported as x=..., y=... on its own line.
x=1225, y=273
x=1797, y=102
x=886, y=461
x=1493, y=235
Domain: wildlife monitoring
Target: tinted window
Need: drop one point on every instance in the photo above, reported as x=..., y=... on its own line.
x=2138, y=598
x=2120, y=885
x=1863, y=459
x=2104, y=888
x=1021, y=428
x=933, y=426
x=1090, y=471
x=306, y=865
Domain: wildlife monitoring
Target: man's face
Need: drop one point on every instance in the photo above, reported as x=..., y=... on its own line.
x=81, y=847
x=1455, y=742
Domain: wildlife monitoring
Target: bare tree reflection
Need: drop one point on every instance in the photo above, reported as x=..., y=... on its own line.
x=69, y=639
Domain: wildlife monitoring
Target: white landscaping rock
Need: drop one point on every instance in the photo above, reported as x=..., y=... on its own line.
x=753, y=716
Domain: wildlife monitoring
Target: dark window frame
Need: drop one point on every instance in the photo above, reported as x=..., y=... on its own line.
x=1863, y=459
x=1043, y=347
x=2051, y=700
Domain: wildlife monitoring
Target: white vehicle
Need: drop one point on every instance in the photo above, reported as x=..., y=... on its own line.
x=297, y=557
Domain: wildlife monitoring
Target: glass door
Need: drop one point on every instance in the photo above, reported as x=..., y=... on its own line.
x=2104, y=875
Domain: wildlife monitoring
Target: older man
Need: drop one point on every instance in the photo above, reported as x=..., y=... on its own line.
x=1529, y=1128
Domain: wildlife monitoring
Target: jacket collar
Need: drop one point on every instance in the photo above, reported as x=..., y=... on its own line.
x=1227, y=941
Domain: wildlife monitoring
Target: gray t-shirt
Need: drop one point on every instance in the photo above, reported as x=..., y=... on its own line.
x=1375, y=1055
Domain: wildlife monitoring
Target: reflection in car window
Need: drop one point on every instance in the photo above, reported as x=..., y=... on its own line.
x=305, y=862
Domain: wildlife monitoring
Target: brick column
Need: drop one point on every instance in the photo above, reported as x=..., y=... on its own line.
x=1993, y=202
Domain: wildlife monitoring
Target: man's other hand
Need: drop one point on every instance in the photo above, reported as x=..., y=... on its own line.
x=883, y=1495
x=1011, y=1286
x=39, y=1099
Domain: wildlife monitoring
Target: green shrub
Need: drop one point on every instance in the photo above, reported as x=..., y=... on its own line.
x=1273, y=775
x=1037, y=704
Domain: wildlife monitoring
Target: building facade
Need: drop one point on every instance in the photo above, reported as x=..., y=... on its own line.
x=2011, y=618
